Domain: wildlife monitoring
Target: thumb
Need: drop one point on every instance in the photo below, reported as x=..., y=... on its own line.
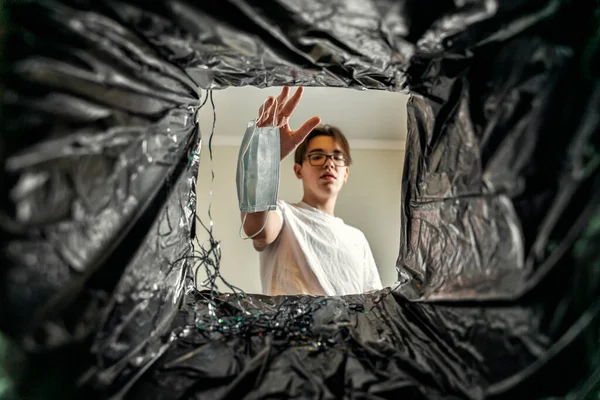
x=305, y=129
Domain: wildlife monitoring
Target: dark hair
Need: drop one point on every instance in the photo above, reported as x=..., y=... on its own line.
x=324, y=130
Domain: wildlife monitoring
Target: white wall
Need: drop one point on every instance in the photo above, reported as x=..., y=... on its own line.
x=369, y=118
x=369, y=201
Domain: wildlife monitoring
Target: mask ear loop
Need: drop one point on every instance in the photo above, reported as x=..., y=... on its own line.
x=242, y=170
x=253, y=236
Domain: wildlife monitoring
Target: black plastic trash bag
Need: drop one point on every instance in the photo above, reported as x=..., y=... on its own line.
x=498, y=274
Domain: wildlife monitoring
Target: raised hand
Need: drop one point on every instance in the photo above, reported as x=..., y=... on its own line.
x=277, y=112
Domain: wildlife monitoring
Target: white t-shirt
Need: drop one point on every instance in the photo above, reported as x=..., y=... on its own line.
x=316, y=253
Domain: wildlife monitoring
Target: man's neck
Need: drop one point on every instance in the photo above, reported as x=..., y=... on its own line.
x=325, y=205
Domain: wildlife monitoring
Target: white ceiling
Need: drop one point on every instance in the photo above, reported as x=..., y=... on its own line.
x=369, y=119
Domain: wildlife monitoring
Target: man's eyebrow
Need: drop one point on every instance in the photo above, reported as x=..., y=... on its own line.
x=323, y=151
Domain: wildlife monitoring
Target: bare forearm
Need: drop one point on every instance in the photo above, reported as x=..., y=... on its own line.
x=253, y=223
x=256, y=221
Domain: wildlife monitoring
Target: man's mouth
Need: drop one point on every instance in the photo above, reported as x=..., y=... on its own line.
x=328, y=176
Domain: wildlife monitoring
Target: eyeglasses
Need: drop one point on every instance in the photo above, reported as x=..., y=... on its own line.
x=319, y=159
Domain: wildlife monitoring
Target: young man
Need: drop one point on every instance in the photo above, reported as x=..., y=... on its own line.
x=304, y=248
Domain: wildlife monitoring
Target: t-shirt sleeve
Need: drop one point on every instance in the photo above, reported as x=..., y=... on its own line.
x=372, y=279
x=279, y=210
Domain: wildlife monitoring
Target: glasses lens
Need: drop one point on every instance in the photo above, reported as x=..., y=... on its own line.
x=318, y=160
x=339, y=160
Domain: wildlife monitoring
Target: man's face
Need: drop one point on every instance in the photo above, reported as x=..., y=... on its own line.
x=322, y=180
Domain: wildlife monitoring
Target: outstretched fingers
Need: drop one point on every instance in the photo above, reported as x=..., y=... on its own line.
x=279, y=104
x=292, y=103
x=283, y=95
x=276, y=111
x=265, y=112
x=301, y=133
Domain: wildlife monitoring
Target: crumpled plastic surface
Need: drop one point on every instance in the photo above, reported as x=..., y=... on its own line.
x=498, y=275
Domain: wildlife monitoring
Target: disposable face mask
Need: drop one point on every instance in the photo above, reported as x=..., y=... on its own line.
x=257, y=174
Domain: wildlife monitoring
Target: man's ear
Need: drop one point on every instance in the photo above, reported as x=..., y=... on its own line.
x=298, y=170
x=346, y=174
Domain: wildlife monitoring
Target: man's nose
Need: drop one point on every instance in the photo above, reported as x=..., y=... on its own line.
x=329, y=162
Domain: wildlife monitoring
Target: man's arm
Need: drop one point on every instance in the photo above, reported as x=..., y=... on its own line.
x=254, y=223
x=277, y=112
